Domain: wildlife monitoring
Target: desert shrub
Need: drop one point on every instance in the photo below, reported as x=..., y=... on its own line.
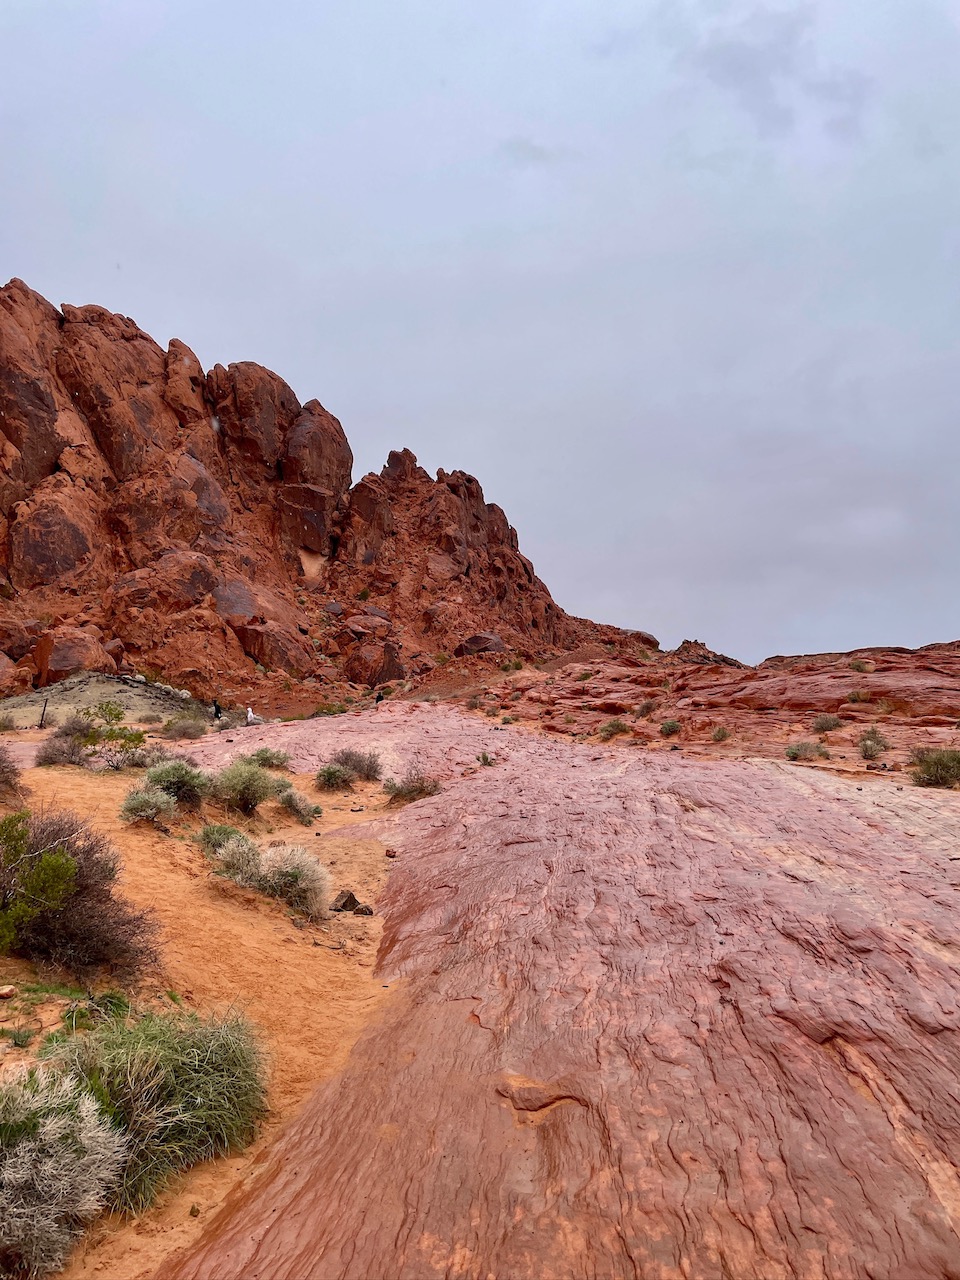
x=147, y=804
x=873, y=744
x=646, y=708
x=184, y=727
x=180, y=780
x=508, y=719
x=7, y=723
x=612, y=728
x=328, y=709
x=335, y=777
x=414, y=785
x=75, y=726
x=81, y=923
x=178, y=1087
x=669, y=728
x=151, y=718
x=62, y=750
x=364, y=764
x=824, y=723
x=294, y=875
x=9, y=773
x=214, y=836
x=267, y=758
x=297, y=804
x=59, y=1156
x=720, y=733
x=857, y=664
x=486, y=759
x=239, y=860
x=473, y=704
x=806, y=751
x=859, y=695
x=147, y=757
x=229, y=720
x=936, y=767
x=244, y=786
x=584, y=675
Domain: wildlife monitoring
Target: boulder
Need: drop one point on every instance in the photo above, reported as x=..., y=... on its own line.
x=275, y=648
x=482, y=642
x=64, y=651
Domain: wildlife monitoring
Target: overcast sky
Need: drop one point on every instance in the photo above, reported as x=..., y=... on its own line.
x=678, y=281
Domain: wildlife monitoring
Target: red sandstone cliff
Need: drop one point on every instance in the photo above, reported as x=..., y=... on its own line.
x=156, y=516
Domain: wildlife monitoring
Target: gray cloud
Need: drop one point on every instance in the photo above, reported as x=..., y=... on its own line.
x=675, y=282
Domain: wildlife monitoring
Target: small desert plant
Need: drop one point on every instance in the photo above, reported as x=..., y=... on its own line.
x=669, y=728
x=646, y=708
x=334, y=777
x=9, y=773
x=329, y=709
x=859, y=695
x=858, y=664
x=147, y=804
x=584, y=675
x=7, y=723
x=364, y=764
x=414, y=785
x=292, y=874
x=508, y=719
x=65, y=749
x=214, y=836
x=187, y=785
x=936, y=767
x=81, y=923
x=872, y=744
x=239, y=860
x=75, y=726
x=178, y=1087
x=244, y=786
x=19, y=1037
x=806, y=751
x=824, y=723
x=364, y=594
x=151, y=718
x=184, y=727
x=612, y=728
x=267, y=758
x=486, y=759
x=720, y=733
x=302, y=808
x=473, y=704
x=59, y=1157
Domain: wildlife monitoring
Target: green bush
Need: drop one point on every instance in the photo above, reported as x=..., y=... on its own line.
x=669, y=728
x=147, y=804
x=720, y=733
x=363, y=764
x=59, y=1158
x=244, y=786
x=936, y=767
x=82, y=924
x=612, y=728
x=214, y=836
x=267, y=758
x=824, y=723
x=178, y=1087
x=414, y=785
x=806, y=751
x=182, y=781
x=334, y=777
x=302, y=808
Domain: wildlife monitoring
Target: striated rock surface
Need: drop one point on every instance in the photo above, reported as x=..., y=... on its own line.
x=652, y=1016
x=155, y=502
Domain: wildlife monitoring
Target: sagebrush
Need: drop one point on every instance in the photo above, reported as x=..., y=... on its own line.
x=362, y=764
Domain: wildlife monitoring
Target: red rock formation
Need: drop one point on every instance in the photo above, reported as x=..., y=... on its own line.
x=205, y=521
x=653, y=1017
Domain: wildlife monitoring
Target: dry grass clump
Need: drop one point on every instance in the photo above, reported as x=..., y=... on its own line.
x=267, y=758
x=873, y=744
x=935, y=767
x=414, y=785
x=806, y=751
x=61, y=749
x=9, y=774
x=300, y=806
x=7, y=723
x=147, y=804
x=178, y=1087
x=362, y=764
x=825, y=723
x=57, y=900
x=288, y=872
x=669, y=728
x=184, y=727
x=214, y=836
x=59, y=1158
x=720, y=734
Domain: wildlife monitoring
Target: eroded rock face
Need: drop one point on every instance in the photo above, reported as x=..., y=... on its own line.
x=653, y=1017
x=121, y=463
x=64, y=651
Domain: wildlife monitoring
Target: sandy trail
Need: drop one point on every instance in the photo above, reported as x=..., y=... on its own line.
x=655, y=1016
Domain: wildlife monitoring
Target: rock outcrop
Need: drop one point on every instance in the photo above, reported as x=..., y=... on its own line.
x=650, y=1016
x=207, y=522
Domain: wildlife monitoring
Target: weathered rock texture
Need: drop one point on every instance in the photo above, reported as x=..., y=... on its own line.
x=205, y=520
x=653, y=1017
